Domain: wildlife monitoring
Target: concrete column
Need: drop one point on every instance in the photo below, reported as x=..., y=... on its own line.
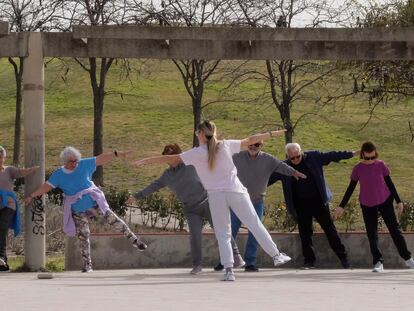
x=34, y=151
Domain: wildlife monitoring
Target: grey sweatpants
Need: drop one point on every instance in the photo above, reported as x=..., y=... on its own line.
x=195, y=216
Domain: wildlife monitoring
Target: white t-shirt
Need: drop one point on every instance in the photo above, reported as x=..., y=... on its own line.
x=223, y=177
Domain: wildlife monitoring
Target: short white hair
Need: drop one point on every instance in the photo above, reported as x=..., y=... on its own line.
x=69, y=153
x=292, y=146
x=3, y=151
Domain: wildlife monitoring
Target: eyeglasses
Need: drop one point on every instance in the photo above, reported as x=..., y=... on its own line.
x=73, y=161
x=295, y=158
x=257, y=145
x=370, y=158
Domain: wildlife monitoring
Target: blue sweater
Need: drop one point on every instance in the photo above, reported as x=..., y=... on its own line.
x=15, y=225
x=314, y=160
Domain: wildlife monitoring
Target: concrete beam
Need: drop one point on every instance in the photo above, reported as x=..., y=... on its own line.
x=64, y=45
x=4, y=28
x=244, y=33
x=14, y=45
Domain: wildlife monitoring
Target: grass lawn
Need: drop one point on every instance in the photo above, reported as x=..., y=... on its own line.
x=155, y=109
x=54, y=263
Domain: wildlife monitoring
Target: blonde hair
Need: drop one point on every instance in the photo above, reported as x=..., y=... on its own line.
x=209, y=130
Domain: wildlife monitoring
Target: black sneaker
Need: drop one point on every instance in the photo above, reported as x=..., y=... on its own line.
x=251, y=268
x=218, y=267
x=308, y=265
x=5, y=268
x=141, y=246
x=345, y=264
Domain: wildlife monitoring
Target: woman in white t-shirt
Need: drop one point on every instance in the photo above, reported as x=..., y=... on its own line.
x=214, y=165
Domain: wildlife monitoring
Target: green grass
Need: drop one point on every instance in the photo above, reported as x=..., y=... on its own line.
x=54, y=263
x=156, y=110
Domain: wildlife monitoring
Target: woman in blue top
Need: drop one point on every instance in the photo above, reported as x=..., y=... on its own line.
x=83, y=200
x=9, y=207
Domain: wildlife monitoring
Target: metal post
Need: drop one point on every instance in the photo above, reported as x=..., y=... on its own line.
x=34, y=151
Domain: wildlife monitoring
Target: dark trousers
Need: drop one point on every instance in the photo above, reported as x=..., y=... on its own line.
x=386, y=210
x=6, y=217
x=306, y=210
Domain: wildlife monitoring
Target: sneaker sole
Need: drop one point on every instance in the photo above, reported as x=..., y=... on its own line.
x=282, y=263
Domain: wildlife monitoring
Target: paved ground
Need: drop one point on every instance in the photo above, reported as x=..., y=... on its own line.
x=175, y=289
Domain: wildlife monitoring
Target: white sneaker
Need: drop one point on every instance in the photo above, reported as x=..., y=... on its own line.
x=87, y=269
x=410, y=263
x=196, y=270
x=229, y=276
x=238, y=261
x=281, y=259
x=379, y=267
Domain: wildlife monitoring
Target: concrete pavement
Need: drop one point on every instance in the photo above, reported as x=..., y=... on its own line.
x=175, y=289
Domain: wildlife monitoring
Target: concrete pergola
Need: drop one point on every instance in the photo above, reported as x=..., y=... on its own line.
x=230, y=43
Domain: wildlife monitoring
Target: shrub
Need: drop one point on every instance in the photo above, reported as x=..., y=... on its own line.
x=351, y=216
x=278, y=218
x=158, y=211
x=407, y=217
x=116, y=199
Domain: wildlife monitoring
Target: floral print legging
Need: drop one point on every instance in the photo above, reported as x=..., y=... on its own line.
x=83, y=233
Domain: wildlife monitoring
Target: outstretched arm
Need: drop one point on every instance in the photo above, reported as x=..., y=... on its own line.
x=259, y=137
x=150, y=189
x=348, y=193
x=45, y=188
x=174, y=159
x=336, y=156
x=27, y=171
x=104, y=158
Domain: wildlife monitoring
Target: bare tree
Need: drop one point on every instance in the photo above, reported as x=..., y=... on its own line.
x=197, y=13
x=289, y=80
x=384, y=82
x=25, y=15
x=377, y=78
x=94, y=13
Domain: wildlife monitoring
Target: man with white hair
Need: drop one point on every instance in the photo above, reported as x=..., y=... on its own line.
x=83, y=200
x=309, y=198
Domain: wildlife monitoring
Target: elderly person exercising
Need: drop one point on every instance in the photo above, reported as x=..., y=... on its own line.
x=9, y=207
x=83, y=200
x=309, y=198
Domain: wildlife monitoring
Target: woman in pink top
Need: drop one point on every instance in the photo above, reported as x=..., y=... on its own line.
x=214, y=165
x=377, y=193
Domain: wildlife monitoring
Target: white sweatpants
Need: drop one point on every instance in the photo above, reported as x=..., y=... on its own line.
x=220, y=204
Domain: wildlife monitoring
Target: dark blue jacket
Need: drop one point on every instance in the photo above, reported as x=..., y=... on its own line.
x=314, y=160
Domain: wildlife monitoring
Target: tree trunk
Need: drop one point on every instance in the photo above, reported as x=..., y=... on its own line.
x=98, y=106
x=18, y=75
x=98, y=102
x=196, y=116
x=287, y=123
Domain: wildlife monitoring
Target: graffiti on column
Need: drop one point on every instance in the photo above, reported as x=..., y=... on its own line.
x=38, y=216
